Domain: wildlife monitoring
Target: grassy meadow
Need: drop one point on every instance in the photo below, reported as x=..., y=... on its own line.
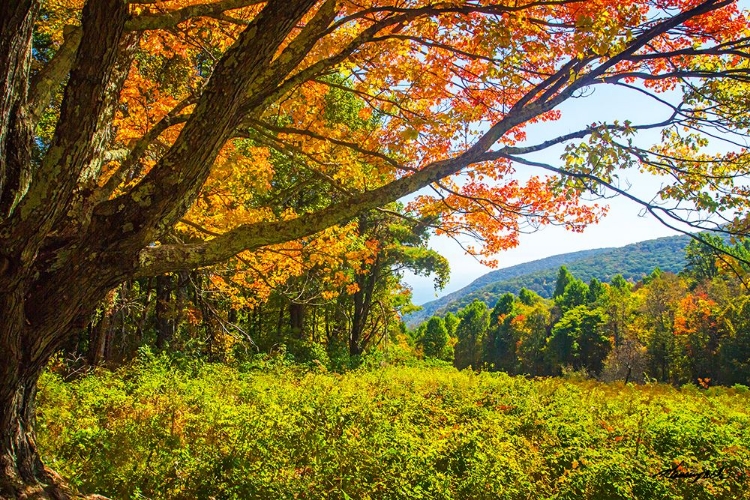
x=182, y=430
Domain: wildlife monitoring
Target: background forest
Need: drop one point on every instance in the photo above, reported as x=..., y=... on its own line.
x=633, y=262
x=690, y=327
x=673, y=328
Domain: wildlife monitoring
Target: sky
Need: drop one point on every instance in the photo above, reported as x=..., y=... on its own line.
x=624, y=223
x=622, y=226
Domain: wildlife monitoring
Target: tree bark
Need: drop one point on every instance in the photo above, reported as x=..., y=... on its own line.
x=165, y=324
x=16, y=23
x=22, y=470
x=22, y=474
x=101, y=333
x=297, y=319
x=26, y=345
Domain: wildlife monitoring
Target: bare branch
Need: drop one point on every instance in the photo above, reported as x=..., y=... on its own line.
x=351, y=145
x=666, y=216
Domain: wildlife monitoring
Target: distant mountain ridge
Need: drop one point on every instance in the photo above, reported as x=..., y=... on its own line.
x=633, y=261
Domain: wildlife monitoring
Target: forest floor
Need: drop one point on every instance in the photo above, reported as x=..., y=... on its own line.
x=166, y=429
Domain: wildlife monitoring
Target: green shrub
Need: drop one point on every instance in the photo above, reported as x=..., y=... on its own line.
x=162, y=429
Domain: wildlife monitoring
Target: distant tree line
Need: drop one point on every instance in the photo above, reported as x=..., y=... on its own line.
x=676, y=328
x=633, y=262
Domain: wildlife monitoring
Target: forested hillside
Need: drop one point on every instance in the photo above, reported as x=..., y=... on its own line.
x=692, y=327
x=633, y=262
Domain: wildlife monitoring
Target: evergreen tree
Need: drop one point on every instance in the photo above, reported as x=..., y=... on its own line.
x=451, y=323
x=702, y=257
x=528, y=297
x=576, y=294
x=578, y=340
x=564, y=277
x=597, y=291
x=499, y=347
x=435, y=338
x=471, y=331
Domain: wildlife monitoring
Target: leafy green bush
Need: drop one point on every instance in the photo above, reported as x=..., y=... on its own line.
x=188, y=430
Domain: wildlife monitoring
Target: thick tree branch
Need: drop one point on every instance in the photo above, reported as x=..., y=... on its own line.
x=16, y=27
x=164, y=195
x=173, y=18
x=134, y=155
x=166, y=258
x=78, y=136
x=48, y=80
x=303, y=43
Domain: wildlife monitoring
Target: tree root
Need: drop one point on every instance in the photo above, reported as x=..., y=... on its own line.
x=54, y=488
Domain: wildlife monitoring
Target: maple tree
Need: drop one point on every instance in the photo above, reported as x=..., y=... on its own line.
x=121, y=121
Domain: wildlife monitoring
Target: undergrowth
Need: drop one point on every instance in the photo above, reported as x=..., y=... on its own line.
x=179, y=430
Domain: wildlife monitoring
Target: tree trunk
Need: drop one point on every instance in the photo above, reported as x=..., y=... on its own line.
x=98, y=334
x=164, y=311
x=26, y=345
x=25, y=350
x=297, y=320
x=16, y=23
x=101, y=332
x=362, y=307
x=22, y=474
